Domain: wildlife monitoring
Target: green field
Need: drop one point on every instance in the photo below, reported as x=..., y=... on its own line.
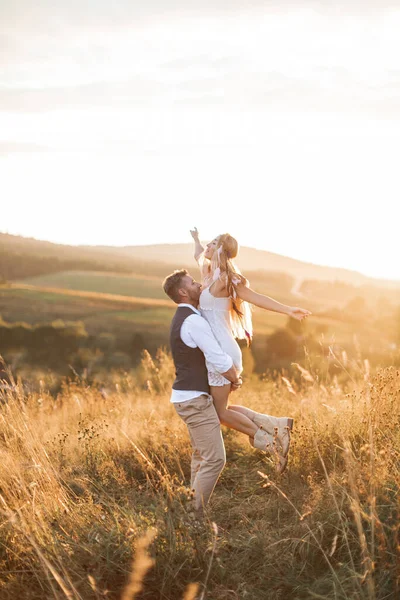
x=146, y=316
x=125, y=306
x=38, y=305
x=122, y=317
x=140, y=286
x=347, y=309
x=150, y=286
x=125, y=315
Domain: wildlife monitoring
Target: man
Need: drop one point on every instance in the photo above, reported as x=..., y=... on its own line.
x=192, y=341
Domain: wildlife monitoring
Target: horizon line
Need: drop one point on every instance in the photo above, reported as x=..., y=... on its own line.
x=347, y=269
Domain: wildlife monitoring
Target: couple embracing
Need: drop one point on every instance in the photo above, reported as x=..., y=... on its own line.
x=210, y=316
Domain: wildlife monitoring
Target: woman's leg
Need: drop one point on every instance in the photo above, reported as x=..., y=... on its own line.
x=268, y=422
x=279, y=427
x=237, y=419
x=230, y=418
x=250, y=414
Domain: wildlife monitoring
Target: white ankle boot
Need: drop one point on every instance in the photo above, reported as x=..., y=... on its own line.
x=263, y=441
x=278, y=427
x=266, y=442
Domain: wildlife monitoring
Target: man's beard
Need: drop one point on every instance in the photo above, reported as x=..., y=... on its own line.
x=194, y=298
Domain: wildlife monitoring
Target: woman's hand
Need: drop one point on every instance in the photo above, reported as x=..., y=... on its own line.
x=298, y=313
x=195, y=234
x=198, y=248
x=235, y=385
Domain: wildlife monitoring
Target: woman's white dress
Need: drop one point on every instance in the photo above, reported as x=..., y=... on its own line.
x=217, y=311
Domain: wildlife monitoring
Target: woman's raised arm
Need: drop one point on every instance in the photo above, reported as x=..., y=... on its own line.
x=249, y=295
x=198, y=248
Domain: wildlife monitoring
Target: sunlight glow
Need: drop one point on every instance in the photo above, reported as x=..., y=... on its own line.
x=281, y=127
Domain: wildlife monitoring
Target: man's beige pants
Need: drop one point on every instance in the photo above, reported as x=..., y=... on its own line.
x=208, y=458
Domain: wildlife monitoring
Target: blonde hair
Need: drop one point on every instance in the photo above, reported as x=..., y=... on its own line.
x=222, y=264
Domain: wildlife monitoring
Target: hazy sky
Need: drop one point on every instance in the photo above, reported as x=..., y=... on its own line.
x=130, y=122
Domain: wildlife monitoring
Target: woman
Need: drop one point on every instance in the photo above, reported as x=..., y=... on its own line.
x=225, y=303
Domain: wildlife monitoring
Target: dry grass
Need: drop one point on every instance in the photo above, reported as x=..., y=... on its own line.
x=93, y=502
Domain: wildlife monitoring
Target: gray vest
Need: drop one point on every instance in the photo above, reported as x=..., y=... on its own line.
x=190, y=364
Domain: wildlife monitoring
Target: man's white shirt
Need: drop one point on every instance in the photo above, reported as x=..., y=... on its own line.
x=196, y=333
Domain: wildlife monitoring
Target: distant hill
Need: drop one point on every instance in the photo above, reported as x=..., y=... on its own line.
x=27, y=257
x=117, y=293
x=249, y=259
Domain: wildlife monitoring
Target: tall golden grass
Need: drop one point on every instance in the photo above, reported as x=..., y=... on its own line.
x=94, y=503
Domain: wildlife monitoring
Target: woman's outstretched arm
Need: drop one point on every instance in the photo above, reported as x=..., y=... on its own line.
x=198, y=248
x=249, y=295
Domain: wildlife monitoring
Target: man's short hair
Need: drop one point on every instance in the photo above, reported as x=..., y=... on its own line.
x=172, y=283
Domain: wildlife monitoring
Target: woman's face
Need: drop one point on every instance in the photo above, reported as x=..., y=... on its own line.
x=210, y=248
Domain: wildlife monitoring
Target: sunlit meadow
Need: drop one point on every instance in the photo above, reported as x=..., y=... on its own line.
x=94, y=501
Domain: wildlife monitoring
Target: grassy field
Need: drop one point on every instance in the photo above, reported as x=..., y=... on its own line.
x=150, y=286
x=140, y=286
x=93, y=480
x=125, y=316
x=121, y=316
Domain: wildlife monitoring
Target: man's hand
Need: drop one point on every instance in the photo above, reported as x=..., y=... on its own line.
x=195, y=234
x=236, y=384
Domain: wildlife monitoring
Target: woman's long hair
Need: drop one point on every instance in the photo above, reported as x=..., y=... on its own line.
x=222, y=267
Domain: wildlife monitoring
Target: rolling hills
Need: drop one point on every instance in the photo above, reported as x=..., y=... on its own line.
x=160, y=259
x=118, y=292
x=249, y=259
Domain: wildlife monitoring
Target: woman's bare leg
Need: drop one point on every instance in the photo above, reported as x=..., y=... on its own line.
x=279, y=427
x=237, y=419
x=250, y=414
x=231, y=418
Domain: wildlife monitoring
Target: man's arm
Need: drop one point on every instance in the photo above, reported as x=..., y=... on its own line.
x=202, y=335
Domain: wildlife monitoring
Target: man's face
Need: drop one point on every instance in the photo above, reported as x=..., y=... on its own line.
x=192, y=288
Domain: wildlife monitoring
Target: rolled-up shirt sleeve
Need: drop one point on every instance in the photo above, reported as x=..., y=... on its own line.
x=202, y=336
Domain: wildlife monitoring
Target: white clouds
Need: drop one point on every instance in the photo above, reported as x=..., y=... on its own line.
x=298, y=61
